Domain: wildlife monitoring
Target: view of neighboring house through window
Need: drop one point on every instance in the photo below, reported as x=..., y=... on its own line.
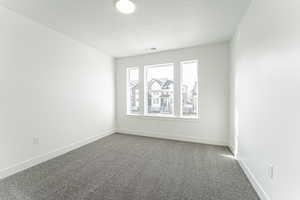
x=158, y=96
x=133, y=103
x=189, y=88
x=159, y=89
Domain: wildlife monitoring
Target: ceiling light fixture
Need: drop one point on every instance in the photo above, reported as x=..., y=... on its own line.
x=125, y=6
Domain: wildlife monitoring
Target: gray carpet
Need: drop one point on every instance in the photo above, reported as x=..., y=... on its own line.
x=133, y=168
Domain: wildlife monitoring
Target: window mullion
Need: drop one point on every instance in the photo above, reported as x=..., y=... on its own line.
x=177, y=94
x=142, y=89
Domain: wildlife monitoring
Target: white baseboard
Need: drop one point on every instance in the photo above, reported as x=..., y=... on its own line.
x=173, y=137
x=50, y=155
x=231, y=149
x=256, y=185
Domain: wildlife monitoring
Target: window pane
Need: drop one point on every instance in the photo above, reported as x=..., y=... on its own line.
x=189, y=88
x=133, y=96
x=160, y=89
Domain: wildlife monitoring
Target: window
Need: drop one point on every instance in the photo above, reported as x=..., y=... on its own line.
x=133, y=96
x=159, y=89
x=169, y=90
x=189, y=88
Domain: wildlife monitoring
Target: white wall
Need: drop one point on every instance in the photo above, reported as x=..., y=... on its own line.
x=53, y=88
x=213, y=98
x=266, y=72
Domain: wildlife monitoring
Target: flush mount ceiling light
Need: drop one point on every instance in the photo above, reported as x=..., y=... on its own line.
x=125, y=6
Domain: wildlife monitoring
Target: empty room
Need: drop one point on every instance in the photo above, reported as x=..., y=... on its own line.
x=149, y=100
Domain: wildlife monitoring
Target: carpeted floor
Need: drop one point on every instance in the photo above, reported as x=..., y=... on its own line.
x=122, y=167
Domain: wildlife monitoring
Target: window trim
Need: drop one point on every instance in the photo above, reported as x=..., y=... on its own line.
x=128, y=92
x=163, y=117
x=177, y=98
x=181, y=83
x=145, y=111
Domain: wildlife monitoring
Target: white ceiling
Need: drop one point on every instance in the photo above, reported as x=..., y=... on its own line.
x=164, y=24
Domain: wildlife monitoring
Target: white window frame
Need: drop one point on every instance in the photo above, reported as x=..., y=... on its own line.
x=146, y=67
x=181, y=83
x=177, y=104
x=128, y=92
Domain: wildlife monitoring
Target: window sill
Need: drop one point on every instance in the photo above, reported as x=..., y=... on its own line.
x=163, y=117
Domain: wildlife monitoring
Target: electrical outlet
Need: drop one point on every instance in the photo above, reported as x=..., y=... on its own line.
x=35, y=140
x=271, y=172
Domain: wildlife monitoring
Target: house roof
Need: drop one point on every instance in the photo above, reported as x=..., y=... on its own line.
x=133, y=84
x=164, y=83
